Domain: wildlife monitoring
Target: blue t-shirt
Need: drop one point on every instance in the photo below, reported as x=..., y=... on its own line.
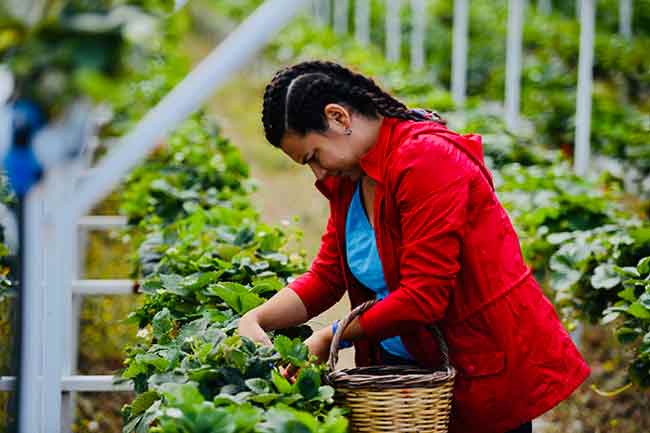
x=364, y=262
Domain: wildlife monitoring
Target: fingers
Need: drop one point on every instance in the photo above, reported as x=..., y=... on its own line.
x=290, y=372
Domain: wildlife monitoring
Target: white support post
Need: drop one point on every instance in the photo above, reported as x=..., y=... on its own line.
x=459, y=52
x=341, y=10
x=60, y=236
x=362, y=21
x=215, y=70
x=30, y=417
x=514, y=62
x=625, y=18
x=393, y=30
x=544, y=7
x=419, y=18
x=582, y=145
x=323, y=11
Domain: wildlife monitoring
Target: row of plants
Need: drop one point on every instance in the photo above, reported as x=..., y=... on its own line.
x=205, y=259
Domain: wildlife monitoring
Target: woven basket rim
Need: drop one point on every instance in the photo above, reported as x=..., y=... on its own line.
x=389, y=376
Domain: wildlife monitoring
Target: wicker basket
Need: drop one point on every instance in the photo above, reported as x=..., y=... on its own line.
x=393, y=398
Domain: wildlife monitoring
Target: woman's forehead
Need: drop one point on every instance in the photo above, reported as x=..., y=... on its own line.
x=296, y=145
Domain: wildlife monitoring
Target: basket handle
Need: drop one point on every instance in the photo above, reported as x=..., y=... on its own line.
x=334, y=348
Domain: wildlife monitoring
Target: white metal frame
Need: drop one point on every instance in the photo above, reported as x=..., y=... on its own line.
x=582, y=147
x=514, y=48
x=362, y=21
x=56, y=205
x=418, y=33
x=393, y=30
x=460, y=47
x=56, y=208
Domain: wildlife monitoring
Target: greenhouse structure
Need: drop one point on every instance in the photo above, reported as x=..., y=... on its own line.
x=144, y=215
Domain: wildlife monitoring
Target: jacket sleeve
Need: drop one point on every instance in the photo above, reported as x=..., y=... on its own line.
x=431, y=192
x=322, y=285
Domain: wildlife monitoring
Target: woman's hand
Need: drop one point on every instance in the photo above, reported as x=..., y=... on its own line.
x=249, y=326
x=319, y=343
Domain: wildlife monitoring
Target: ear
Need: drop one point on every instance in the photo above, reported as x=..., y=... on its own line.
x=337, y=114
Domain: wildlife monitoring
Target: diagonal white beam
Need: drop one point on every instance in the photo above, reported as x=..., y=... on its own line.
x=238, y=48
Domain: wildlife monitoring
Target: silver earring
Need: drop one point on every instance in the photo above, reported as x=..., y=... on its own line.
x=348, y=131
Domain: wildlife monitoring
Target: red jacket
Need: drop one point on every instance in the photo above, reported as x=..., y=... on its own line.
x=450, y=256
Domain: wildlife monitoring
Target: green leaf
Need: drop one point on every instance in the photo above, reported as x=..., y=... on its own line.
x=308, y=382
x=639, y=311
x=609, y=317
x=181, y=395
x=605, y=277
x=265, y=399
x=258, y=385
x=173, y=284
x=644, y=300
x=162, y=325
x=293, y=351
x=628, y=294
x=143, y=402
x=626, y=335
x=644, y=266
x=134, y=369
x=159, y=363
x=281, y=383
x=237, y=296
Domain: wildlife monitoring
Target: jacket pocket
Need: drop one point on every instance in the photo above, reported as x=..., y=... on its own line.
x=480, y=363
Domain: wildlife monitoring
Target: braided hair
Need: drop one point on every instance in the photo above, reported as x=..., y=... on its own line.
x=296, y=97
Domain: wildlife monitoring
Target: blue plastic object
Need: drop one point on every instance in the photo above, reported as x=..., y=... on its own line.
x=23, y=169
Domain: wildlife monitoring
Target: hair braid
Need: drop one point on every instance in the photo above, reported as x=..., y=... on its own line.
x=296, y=96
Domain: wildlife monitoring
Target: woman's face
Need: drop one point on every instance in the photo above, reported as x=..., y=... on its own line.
x=334, y=153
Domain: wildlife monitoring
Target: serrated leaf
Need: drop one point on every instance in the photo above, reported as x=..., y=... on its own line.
x=173, y=284
x=644, y=266
x=162, y=325
x=639, y=311
x=237, y=296
x=143, y=402
x=258, y=385
x=293, y=351
x=308, y=382
x=605, y=277
x=281, y=383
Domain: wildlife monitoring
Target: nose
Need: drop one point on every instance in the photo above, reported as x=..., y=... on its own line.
x=319, y=171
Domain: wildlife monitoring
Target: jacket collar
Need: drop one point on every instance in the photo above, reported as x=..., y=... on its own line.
x=372, y=162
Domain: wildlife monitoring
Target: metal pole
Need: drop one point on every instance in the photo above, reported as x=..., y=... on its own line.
x=459, y=52
x=513, y=62
x=544, y=7
x=393, y=30
x=60, y=236
x=323, y=11
x=30, y=414
x=341, y=9
x=419, y=17
x=585, y=77
x=187, y=96
x=625, y=18
x=362, y=21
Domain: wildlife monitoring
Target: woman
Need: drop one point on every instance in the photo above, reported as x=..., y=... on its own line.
x=414, y=221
